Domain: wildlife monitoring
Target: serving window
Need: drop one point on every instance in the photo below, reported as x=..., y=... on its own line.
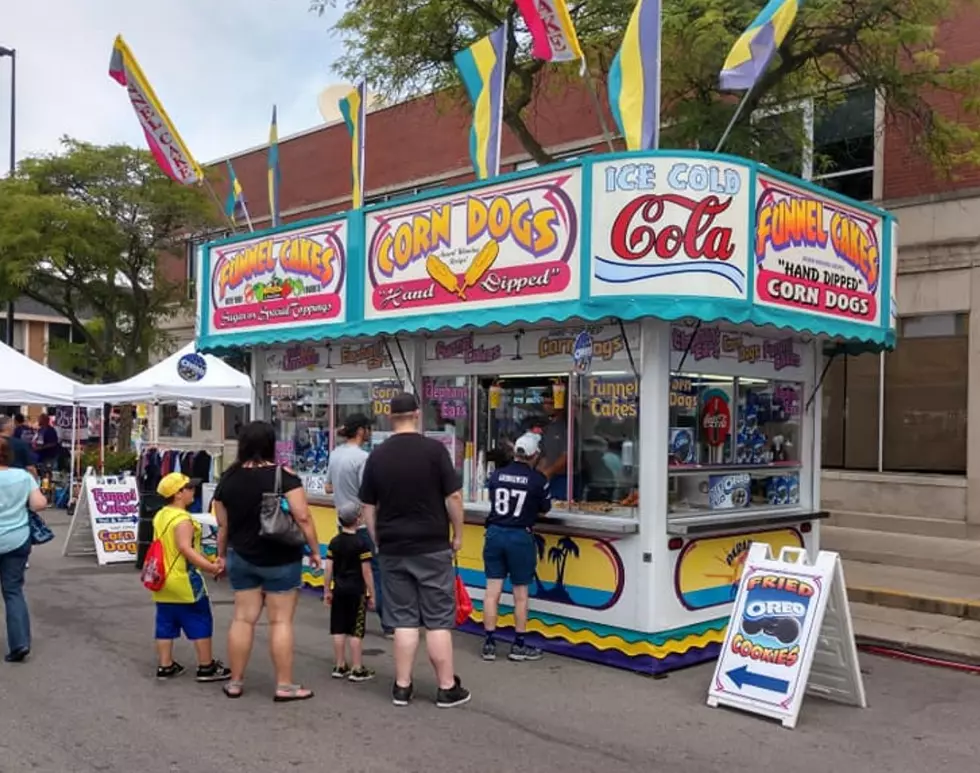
x=448, y=416
x=733, y=443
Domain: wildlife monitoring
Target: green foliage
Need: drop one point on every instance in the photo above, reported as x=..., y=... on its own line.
x=116, y=462
x=406, y=47
x=83, y=232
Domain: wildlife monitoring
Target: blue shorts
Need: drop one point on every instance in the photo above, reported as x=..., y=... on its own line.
x=509, y=552
x=195, y=620
x=244, y=575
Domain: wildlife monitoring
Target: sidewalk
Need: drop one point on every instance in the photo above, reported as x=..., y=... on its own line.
x=920, y=593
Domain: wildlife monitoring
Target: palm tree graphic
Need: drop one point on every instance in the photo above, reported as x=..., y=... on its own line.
x=558, y=555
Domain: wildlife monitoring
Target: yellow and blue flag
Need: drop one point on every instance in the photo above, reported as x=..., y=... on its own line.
x=236, y=196
x=483, y=69
x=353, y=109
x=274, y=172
x=634, y=79
x=752, y=52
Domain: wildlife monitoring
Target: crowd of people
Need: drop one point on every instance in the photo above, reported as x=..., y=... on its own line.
x=400, y=512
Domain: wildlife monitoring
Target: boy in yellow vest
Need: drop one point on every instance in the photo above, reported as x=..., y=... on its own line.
x=182, y=602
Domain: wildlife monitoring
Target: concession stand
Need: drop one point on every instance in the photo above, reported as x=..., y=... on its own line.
x=663, y=319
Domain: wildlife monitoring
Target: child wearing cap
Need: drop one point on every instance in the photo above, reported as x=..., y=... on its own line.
x=518, y=495
x=351, y=594
x=182, y=603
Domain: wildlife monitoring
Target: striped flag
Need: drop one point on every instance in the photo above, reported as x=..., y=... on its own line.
x=482, y=67
x=634, y=79
x=165, y=144
x=274, y=171
x=353, y=109
x=236, y=196
x=752, y=52
x=553, y=36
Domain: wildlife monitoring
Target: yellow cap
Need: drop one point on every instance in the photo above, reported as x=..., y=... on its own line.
x=172, y=484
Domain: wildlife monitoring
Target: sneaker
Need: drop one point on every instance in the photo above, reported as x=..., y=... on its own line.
x=522, y=652
x=456, y=695
x=340, y=672
x=401, y=696
x=361, y=674
x=489, y=650
x=170, y=672
x=215, y=671
x=17, y=656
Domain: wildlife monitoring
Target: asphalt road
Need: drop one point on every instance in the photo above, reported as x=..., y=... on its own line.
x=87, y=701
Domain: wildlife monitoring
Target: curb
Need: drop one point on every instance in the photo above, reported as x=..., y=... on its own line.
x=915, y=653
x=967, y=609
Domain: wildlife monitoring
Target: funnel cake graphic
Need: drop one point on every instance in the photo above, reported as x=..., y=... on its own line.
x=444, y=276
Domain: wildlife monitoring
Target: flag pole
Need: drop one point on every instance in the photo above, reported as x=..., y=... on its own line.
x=590, y=85
x=221, y=207
x=248, y=218
x=731, y=124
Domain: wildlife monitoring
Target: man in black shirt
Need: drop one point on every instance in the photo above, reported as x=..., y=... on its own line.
x=411, y=493
x=22, y=456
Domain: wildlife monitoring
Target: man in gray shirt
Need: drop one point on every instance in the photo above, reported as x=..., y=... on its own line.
x=344, y=472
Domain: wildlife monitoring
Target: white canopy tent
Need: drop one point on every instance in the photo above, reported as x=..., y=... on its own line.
x=24, y=381
x=163, y=383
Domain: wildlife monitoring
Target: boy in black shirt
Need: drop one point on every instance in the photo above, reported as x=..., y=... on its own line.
x=352, y=594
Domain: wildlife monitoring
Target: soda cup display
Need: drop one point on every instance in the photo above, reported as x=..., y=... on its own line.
x=495, y=392
x=558, y=390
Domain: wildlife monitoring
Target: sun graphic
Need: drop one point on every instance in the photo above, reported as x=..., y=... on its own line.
x=733, y=565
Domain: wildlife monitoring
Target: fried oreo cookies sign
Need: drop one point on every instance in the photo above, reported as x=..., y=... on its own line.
x=293, y=279
x=816, y=255
x=504, y=245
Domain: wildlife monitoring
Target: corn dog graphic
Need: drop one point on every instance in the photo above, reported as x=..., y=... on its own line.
x=442, y=275
x=481, y=264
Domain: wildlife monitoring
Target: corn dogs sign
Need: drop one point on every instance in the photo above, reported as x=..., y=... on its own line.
x=293, y=278
x=816, y=255
x=504, y=245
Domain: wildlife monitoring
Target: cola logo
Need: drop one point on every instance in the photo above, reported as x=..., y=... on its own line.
x=716, y=420
x=649, y=226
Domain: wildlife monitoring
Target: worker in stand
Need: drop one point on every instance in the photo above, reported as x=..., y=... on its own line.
x=518, y=495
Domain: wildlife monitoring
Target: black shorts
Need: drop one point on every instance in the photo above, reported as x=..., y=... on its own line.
x=348, y=615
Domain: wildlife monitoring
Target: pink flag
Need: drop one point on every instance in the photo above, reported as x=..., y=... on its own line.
x=552, y=32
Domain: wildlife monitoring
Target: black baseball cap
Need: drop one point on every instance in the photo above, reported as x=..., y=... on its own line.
x=404, y=403
x=353, y=423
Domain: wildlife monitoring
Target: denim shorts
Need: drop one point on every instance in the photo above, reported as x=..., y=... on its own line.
x=509, y=552
x=244, y=575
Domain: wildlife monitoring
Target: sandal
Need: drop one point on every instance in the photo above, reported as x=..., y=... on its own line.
x=286, y=693
x=233, y=689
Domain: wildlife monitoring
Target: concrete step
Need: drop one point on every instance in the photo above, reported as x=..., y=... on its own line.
x=937, y=554
x=899, y=524
x=918, y=631
x=916, y=590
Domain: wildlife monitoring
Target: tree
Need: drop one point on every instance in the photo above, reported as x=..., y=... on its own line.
x=83, y=232
x=405, y=47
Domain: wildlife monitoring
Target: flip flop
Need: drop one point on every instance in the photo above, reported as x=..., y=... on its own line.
x=233, y=689
x=293, y=692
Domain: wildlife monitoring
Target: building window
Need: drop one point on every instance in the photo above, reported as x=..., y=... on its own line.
x=401, y=193
x=920, y=405
x=205, y=414
x=837, y=141
x=191, y=247
x=568, y=155
x=236, y=417
x=18, y=332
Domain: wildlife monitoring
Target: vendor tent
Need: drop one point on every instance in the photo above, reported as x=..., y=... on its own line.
x=163, y=382
x=24, y=381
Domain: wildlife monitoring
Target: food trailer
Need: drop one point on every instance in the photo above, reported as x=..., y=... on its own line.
x=663, y=319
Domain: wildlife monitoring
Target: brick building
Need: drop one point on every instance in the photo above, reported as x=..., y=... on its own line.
x=901, y=431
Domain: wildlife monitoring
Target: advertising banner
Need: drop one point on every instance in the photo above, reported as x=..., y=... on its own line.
x=113, y=510
x=291, y=279
x=503, y=245
x=670, y=226
x=815, y=255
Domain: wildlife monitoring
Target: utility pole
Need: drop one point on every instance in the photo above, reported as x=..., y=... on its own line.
x=12, y=53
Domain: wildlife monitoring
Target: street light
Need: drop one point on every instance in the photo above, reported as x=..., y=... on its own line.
x=12, y=53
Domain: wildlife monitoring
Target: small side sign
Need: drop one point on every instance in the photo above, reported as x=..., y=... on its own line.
x=790, y=633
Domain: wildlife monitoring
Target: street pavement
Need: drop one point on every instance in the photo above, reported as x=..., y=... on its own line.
x=87, y=701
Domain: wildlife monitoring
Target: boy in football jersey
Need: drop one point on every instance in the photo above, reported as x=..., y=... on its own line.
x=518, y=495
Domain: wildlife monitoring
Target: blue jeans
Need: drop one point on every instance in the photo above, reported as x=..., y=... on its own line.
x=375, y=570
x=12, y=566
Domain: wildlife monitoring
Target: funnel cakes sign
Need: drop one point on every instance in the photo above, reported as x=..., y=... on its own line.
x=290, y=279
x=503, y=245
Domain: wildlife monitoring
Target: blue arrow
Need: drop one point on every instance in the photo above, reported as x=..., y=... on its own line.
x=742, y=676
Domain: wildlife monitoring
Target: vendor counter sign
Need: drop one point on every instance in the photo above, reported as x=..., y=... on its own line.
x=290, y=279
x=711, y=342
x=503, y=245
x=815, y=255
x=670, y=226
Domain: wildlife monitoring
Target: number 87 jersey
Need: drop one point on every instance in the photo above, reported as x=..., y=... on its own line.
x=518, y=495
